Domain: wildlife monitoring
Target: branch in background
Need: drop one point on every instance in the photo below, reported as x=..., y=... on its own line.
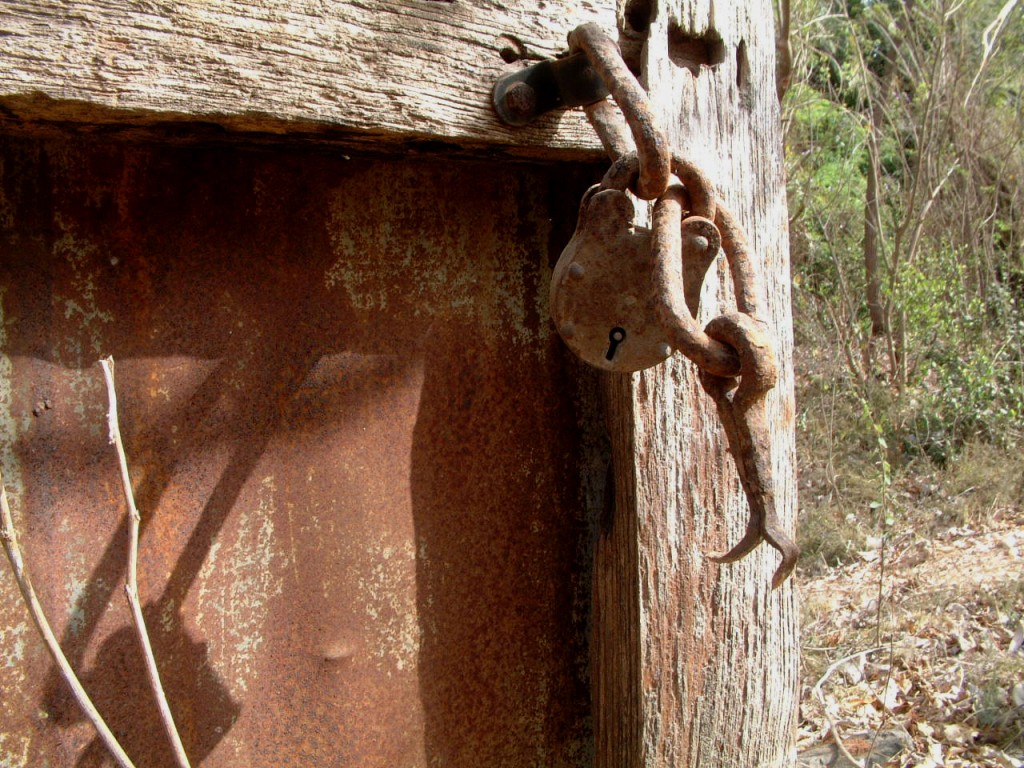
x=989, y=38
x=833, y=726
x=131, y=587
x=783, y=49
x=10, y=540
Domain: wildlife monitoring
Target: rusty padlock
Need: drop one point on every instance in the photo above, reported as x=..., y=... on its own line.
x=603, y=295
x=616, y=284
x=605, y=289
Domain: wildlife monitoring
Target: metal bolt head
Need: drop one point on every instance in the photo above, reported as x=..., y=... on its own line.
x=521, y=100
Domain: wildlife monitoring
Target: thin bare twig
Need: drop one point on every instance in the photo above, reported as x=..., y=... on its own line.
x=131, y=587
x=833, y=726
x=989, y=38
x=10, y=540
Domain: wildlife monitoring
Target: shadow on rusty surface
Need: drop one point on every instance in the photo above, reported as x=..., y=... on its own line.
x=355, y=443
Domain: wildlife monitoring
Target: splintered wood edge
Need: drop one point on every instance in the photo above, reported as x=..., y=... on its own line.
x=416, y=74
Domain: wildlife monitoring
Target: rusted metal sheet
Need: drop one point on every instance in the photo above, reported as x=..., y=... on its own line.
x=358, y=455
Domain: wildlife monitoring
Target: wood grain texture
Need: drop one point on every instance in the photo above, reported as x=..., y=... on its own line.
x=717, y=652
x=361, y=70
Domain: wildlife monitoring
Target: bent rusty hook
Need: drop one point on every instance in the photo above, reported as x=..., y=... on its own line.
x=738, y=382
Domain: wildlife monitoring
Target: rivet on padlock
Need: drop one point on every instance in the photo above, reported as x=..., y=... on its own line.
x=701, y=243
x=603, y=294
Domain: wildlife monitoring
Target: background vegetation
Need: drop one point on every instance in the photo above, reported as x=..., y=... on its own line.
x=904, y=122
x=904, y=128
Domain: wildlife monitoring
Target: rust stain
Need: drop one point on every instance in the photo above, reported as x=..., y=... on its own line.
x=353, y=442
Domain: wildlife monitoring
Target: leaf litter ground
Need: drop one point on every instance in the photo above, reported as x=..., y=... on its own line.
x=924, y=638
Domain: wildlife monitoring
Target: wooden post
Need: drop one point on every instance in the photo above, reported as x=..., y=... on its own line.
x=696, y=664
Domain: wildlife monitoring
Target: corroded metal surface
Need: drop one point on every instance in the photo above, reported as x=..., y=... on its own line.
x=521, y=96
x=353, y=443
x=624, y=298
x=651, y=146
x=603, y=292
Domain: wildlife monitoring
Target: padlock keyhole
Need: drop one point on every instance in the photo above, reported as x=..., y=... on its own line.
x=616, y=336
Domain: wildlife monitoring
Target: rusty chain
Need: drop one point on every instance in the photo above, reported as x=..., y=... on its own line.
x=739, y=393
x=734, y=352
x=652, y=146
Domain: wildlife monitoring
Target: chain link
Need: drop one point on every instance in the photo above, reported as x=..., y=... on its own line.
x=652, y=146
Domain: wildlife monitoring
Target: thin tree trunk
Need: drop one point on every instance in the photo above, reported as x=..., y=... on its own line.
x=873, y=231
x=783, y=49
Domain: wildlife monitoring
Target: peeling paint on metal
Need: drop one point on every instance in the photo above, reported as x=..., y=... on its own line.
x=239, y=603
x=12, y=644
x=14, y=750
x=9, y=430
x=81, y=353
x=443, y=265
x=388, y=593
x=76, y=580
x=14, y=629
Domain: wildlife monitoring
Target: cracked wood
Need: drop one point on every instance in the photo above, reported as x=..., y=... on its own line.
x=367, y=71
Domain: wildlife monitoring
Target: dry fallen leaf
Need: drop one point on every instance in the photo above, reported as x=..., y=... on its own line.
x=890, y=698
x=1018, y=637
x=1018, y=695
x=955, y=733
x=934, y=757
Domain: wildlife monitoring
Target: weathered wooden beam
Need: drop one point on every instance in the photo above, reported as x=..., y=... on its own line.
x=370, y=71
x=696, y=663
